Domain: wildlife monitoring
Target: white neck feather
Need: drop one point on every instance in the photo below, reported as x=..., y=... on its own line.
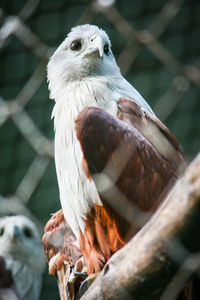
x=77, y=193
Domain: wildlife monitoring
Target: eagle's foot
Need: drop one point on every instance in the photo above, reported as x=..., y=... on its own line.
x=79, y=270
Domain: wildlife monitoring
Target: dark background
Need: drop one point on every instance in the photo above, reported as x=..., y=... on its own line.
x=157, y=45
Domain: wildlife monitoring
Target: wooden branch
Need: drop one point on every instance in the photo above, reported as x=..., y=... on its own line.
x=144, y=268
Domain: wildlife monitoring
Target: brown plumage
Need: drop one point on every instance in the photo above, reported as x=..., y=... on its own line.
x=62, y=252
x=140, y=157
x=59, y=239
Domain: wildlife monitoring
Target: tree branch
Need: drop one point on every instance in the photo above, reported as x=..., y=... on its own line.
x=144, y=268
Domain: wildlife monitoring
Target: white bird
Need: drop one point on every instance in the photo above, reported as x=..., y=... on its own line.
x=96, y=112
x=21, y=259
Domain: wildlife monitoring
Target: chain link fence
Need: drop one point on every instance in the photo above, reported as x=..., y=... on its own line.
x=157, y=47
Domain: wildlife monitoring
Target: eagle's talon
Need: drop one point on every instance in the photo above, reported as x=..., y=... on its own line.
x=79, y=274
x=79, y=270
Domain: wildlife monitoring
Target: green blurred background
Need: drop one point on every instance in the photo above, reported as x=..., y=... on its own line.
x=157, y=45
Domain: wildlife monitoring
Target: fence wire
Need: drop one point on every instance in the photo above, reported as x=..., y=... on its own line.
x=156, y=44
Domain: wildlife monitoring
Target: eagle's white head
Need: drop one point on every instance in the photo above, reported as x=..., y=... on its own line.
x=85, y=52
x=20, y=240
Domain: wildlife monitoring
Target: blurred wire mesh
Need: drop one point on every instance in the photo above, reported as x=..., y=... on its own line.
x=156, y=44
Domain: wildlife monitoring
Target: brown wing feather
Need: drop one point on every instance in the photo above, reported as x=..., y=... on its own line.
x=153, y=130
x=131, y=173
x=125, y=156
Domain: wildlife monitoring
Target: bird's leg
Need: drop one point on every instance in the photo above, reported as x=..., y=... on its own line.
x=80, y=271
x=61, y=283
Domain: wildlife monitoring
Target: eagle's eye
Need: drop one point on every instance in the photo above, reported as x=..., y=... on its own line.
x=28, y=232
x=106, y=49
x=1, y=231
x=76, y=45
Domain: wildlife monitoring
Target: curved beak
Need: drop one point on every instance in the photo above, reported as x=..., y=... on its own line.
x=96, y=45
x=14, y=233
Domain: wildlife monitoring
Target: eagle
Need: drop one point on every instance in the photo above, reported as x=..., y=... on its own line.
x=115, y=160
x=21, y=259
